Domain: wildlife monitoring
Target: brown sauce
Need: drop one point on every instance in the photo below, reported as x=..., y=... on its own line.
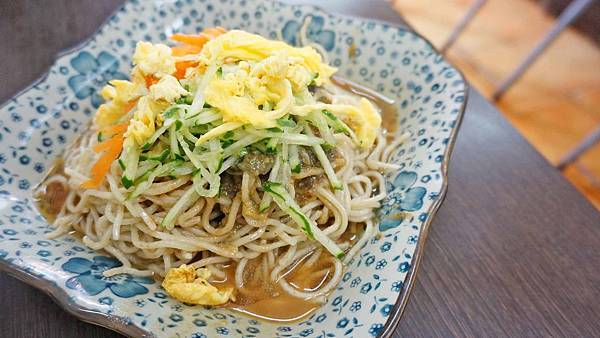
x=283, y=308
x=49, y=198
x=353, y=233
x=268, y=301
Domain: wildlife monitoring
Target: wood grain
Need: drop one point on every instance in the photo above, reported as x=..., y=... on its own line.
x=514, y=249
x=33, y=33
x=555, y=104
x=27, y=312
x=512, y=252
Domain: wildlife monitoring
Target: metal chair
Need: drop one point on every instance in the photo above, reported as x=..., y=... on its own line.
x=462, y=24
x=570, y=14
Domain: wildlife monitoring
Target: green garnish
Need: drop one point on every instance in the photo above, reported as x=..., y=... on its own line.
x=188, y=99
x=126, y=182
x=313, y=82
x=226, y=143
x=243, y=152
x=170, y=112
x=286, y=123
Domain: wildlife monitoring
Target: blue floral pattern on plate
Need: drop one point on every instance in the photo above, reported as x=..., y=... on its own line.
x=403, y=198
x=314, y=32
x=37, y=125
x=90, y=279
x=93, y=73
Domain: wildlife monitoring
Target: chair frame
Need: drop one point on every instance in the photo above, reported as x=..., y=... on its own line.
x=570, y=14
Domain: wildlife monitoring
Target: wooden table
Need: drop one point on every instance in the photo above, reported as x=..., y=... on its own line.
x=514, y=250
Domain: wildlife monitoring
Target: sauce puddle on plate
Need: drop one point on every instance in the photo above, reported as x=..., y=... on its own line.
x=263, y=299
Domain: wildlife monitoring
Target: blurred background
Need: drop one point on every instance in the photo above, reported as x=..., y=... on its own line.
x=556, y=103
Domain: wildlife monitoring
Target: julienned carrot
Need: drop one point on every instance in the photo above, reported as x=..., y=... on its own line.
x=191, y=44
x=118, y=128
x=107, y=144
x=191, y=39
x=198, y=39
x=182, y=67
x=150, y=80
x=112, y=149
x=185, y=49
x=129, y=106
x=215, y=31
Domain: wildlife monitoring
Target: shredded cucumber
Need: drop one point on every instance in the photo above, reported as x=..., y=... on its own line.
x=198, y=102
x=284, y=175
x=319, y=121
x=144, y=167
x=145, y=184
x=181, y=169
x=300, y=139
x=266, y=199
x=339, y=125
x=240, y=144
x=272, y=146
x=189, y=136
x=130, y=158
x=173, y=142
x=285, y=151
x=214, y=162
x=202, y=179
x=160, y=157
x=286, y=123
x=287, y=204
x=294, y=159
x=158, y=133
x=228, y=163
x=204, y=117
x=186, y=149
x=333, y=179
x=185, y=201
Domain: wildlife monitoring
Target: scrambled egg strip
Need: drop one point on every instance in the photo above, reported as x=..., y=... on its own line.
x=364, y=119
x=156, y=60
x=244, y=46
x=191, y=286
x=120, y=96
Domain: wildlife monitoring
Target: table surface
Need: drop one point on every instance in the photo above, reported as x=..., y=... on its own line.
x=513, y=251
